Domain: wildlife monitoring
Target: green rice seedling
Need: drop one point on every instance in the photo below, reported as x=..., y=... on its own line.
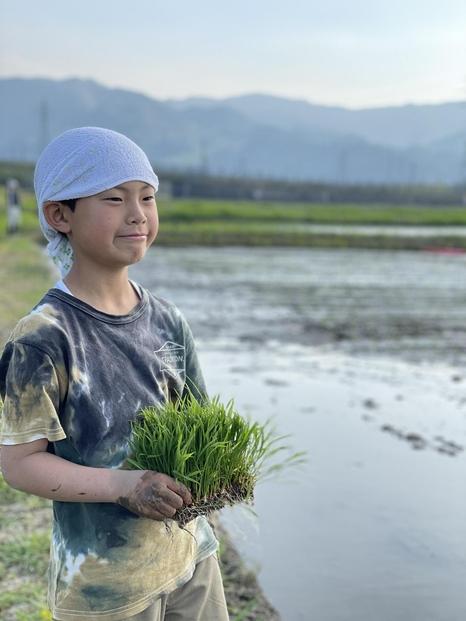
x=210, y=448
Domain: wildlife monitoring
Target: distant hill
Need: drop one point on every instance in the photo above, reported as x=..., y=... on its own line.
x=251, y=135
x=397, y=126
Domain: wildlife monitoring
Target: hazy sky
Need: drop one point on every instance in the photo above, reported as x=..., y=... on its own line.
x=356, y=53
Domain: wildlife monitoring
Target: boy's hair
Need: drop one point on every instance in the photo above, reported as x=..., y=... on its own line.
x=70, y=202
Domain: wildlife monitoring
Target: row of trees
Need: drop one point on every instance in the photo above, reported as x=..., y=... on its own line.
x=200, y=185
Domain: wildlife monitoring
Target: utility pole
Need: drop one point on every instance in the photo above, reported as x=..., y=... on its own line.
x=44, y=131
x=13, y=206
x=462, y=175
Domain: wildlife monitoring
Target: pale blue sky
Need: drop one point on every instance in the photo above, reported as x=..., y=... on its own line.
x=355, y=53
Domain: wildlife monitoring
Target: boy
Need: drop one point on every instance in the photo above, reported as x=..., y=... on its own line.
x=75, y=373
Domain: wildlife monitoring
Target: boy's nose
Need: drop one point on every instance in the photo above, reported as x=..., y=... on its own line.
x=136, y=212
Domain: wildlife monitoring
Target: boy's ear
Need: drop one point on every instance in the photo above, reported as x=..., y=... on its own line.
x=58, y=216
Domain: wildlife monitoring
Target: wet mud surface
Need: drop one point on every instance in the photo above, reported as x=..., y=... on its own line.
x=379, y=510
x=359, y=356
x=411, y=305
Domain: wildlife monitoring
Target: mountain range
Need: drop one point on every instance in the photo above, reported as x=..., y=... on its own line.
x=250, y=135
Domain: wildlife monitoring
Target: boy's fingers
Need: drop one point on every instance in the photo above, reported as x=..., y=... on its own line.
x=162, y=512
x=172, y=499
x=181, y=490
x=166, y=510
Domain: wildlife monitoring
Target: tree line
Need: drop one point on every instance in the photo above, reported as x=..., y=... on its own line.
x=193, y=184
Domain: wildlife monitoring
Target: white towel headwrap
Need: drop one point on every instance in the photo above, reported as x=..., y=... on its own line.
x=82, y=162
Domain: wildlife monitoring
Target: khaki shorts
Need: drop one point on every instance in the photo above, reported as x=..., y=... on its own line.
x=202, y=598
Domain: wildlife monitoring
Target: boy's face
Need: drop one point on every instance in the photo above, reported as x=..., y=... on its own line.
x=114, y=228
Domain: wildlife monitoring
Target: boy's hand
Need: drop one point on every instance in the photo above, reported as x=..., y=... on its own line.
x=152, y=495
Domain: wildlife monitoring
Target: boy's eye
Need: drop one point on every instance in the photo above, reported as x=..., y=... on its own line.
x=149, y=198
x=112, y=198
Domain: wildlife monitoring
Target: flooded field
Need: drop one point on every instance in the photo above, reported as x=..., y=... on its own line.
x=360, y=356
x=380, y=229
x=411, y=305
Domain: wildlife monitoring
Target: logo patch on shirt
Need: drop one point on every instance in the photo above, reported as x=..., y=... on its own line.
x=172, y=358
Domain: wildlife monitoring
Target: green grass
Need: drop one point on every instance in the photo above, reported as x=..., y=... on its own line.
x=24, y=278
x=24, y=603
x=219, y=222
x=24, y=519
x=210, y=222
x=28, y=555
x=210, y=448
x=24, y=553
x=197, y=211
x=222, y=223
x=247, y=610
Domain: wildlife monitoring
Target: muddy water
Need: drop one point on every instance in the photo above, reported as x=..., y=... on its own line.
x=359, y=355
x=411, y=305
x=374, y=229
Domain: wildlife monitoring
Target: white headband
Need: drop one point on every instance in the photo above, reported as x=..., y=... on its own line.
x=82, y=162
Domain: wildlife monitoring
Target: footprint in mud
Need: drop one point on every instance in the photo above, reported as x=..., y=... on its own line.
x=252, y=339
x=275, y=382
x=245, y=370
x=440, y=444
x=414, y=439
x=447, y=446
x=393, y=431
x=370, y=404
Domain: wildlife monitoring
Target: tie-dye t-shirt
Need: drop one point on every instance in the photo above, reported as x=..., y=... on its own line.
x=78, y=376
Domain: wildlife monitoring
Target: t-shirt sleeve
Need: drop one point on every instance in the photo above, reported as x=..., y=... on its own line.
x=29, y=389
x=194, y=378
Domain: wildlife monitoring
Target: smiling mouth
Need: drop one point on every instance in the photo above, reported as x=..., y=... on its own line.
x=139, y=237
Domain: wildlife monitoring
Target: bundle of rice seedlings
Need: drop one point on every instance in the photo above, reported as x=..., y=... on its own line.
x=210, y=448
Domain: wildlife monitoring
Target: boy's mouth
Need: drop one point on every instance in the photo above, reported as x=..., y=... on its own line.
x=134, y=237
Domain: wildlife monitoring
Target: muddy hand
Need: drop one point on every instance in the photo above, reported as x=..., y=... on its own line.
x=153, y=495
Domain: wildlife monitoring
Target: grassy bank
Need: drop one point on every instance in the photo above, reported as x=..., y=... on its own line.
x=248, y=223
x=25, y=519
x=233, y=234
x=24, y=276
x=195, y=211
x=221, y=223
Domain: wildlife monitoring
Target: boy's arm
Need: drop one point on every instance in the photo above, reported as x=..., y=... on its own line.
x=30, y=468
x=29, y=383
